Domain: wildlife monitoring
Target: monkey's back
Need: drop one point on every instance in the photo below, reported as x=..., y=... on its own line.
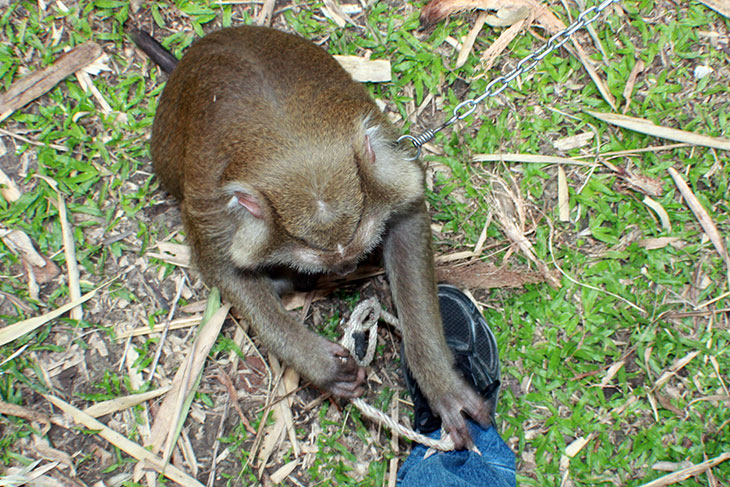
x=248, y=93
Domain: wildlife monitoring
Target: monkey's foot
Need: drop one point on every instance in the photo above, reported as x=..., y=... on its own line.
x=477, y=358
x=345, y=377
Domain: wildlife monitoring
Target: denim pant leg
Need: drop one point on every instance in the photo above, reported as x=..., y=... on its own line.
x=494, y=468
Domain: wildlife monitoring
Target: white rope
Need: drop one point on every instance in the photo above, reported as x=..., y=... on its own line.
x=364, y=318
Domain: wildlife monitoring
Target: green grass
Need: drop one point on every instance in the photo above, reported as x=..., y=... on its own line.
x=556, y=344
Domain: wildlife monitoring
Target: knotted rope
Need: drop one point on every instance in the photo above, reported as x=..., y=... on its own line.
x=364, y=319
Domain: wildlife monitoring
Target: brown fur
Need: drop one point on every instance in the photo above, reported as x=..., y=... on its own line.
x=280, y=159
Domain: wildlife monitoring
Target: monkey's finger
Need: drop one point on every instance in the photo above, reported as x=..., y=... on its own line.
x=340, y=351
x=355, y=387
x=347, y=390
x=479, y=410
x=457, y=428
x=348, y=371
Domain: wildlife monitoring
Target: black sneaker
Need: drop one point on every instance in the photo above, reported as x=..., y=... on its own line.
x=475, y=350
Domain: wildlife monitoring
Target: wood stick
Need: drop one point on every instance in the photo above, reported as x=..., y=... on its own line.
x=30, y=87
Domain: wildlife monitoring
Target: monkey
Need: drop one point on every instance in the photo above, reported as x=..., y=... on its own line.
x=280, y=161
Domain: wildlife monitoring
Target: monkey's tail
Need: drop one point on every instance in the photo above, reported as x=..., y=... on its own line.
x=158, y=54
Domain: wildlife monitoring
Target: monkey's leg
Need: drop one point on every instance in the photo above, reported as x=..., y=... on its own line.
x=328, y=365
x=409, y=264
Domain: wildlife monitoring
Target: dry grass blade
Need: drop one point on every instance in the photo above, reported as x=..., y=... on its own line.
x=563, y=196
x=720, y=6
x=42, y=268
x=266, y=13
x=120, y=403
x=660, y=211
x=393, y=466
x=333, y=11
x=69, y=250
x=676, y=367
x=701, y=214
x=16, y=330
x=438, y=10
x=646, y=127
x=131, y=448
x=686, y=473
x=165, y=423
x=631, y=82
x=158, y=328
x=530, y=159
x=270, y=435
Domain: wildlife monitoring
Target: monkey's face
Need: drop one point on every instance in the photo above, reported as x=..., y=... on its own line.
x=325, y=223
x=321, y=208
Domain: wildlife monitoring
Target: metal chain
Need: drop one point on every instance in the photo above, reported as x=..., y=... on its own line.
x=500, y=83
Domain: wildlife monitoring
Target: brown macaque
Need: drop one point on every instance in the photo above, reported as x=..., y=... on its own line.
x=281, y=161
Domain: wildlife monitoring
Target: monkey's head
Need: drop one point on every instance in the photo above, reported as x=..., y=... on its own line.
x=322, y=207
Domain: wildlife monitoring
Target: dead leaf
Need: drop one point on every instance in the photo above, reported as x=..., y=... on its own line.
x=658, y=243
x=640, y=182
x=574, y=141
x=8, y=189
x=366, y=70
x=9, y=409
x=485, y=275
x=508, y=15
x=172, y=253
x=44, y=269
x=468, y=43
x=437, y=10
x=497, y=47
x=509, y=211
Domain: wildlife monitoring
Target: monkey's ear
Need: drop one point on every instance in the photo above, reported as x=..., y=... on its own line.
x=369, y=152
x=249, y=202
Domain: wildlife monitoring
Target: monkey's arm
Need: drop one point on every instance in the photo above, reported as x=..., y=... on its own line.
x=326, y=364
x=409, y=264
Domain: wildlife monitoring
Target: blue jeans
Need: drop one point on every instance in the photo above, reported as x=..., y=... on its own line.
x=494, y=468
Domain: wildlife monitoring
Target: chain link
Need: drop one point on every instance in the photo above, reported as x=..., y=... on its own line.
x=500, y=83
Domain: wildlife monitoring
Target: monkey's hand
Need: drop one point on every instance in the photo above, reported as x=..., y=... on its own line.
x=456, y=400
x=339, y=372
x=328, y=365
